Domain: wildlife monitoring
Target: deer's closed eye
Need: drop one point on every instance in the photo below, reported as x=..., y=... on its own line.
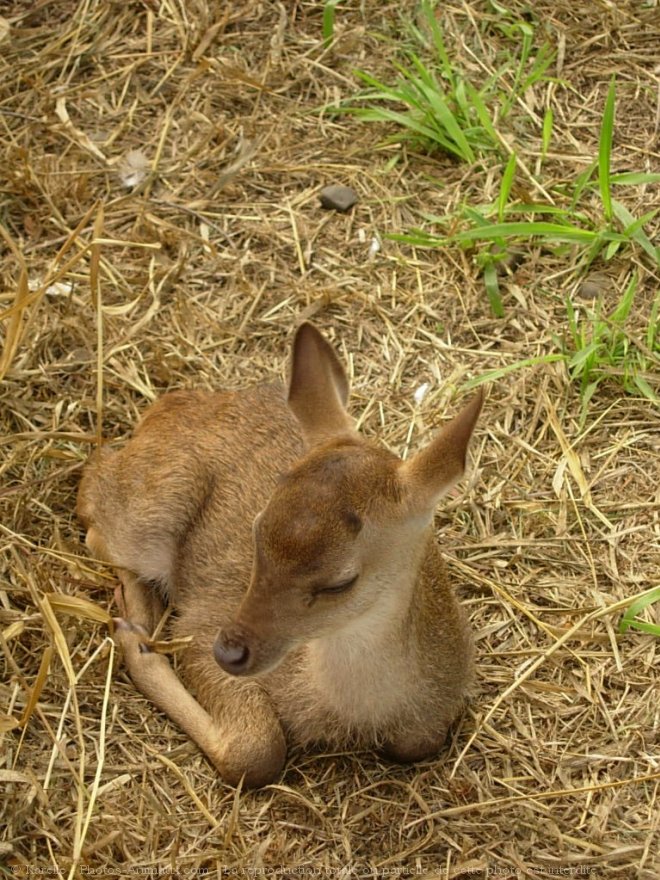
x=334, y=589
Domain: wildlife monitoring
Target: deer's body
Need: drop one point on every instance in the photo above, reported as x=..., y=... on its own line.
x=297, y=558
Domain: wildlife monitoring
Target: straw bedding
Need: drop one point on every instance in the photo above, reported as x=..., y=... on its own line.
x=159, y=179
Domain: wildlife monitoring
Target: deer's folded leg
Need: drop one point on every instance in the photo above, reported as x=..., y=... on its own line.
x=242, y=736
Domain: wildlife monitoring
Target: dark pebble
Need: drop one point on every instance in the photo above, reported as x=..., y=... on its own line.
x=594, y=286
x=338, y=198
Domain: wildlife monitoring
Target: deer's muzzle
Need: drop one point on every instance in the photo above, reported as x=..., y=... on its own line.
x=232, y=653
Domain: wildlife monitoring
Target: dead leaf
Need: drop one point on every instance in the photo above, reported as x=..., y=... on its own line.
x=133, y=168
x=78, y=607
x=7, y=723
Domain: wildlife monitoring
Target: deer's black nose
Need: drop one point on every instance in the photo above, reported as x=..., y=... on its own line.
x=230, y=655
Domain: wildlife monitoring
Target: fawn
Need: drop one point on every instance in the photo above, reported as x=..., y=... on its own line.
x=299, y=557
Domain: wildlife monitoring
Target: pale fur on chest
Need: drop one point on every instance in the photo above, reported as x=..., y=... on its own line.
x=356, y=686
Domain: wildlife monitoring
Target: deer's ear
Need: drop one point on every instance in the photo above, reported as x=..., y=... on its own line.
x=318, y=388
x=434, y=470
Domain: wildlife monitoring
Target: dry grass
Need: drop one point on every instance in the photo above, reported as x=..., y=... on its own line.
x=199, y=273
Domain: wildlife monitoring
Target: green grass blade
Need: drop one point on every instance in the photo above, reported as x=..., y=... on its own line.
x=636, y=224
x=634, y=177
x=382, y=114
x=610, y=251
x=402, y=93
x=581, y=181
x=494, y=375
x=483, y=115
x=438, y=41
x=413, y=92
x=438, y=219
x=447, y=120
x=646, y=389
x=505, y=189
x=546, y=136
x=605, y=151
x=526, y=48
x=544, y=58
x=622, y=310
x=501, y=10
x=552, y=231
x=587, y=392
x=418, y=238
x=493, y=289
x=462, y=101
x=651, y=628
x=633, y=229
x=537, y=208
x=628, y=619
x=476, y=216
x=328, y=25
x=582, y=361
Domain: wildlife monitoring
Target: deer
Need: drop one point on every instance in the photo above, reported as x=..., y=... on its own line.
x=300, y=561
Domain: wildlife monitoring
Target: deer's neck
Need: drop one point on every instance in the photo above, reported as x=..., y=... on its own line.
x=367, y=671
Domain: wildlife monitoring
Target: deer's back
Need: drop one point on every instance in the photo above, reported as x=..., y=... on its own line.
x=176, y=504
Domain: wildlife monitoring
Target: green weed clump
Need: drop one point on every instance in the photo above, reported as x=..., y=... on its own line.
x=435, y=105
x=596, y=346
x=599, y=347
x=496, y=228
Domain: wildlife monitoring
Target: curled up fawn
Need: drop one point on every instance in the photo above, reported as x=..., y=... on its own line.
x=299, y=557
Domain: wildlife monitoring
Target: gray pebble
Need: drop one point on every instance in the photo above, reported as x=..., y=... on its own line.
x=338, y=198
x=594, y=286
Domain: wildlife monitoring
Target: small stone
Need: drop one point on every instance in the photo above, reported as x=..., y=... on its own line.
x=594, y=286
x=338, y=198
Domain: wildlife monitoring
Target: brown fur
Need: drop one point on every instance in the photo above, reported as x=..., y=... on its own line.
x=298, y=553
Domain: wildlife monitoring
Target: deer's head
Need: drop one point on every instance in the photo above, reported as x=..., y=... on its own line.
x=344, y=533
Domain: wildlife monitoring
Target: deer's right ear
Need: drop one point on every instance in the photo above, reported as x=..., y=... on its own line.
x=433, y=471
x=318, y=388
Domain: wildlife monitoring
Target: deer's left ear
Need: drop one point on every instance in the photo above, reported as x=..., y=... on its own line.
x=318, y=388
x=433, y=471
